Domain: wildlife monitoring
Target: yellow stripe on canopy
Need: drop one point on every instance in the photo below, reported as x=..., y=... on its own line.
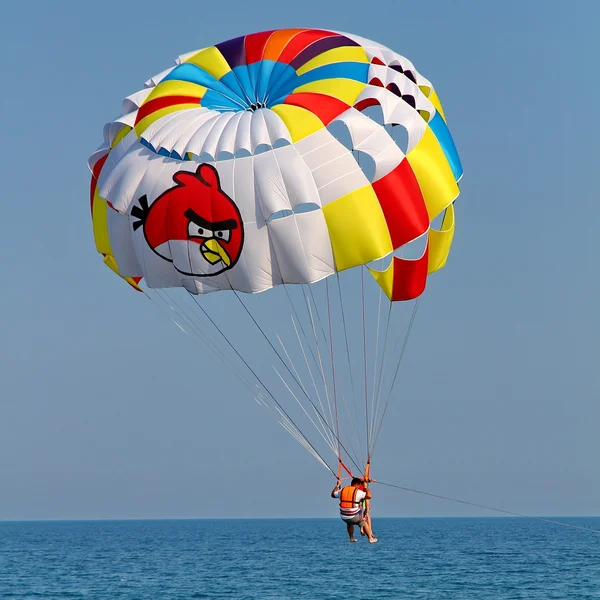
x=440, y=242
x=147, y=121
x=100, y=224
x=335, y=55
x=433, y=173
x=385, y=279
x=433, y=98
x=122, y=133
x=131, y=281
x=357, y=228
x=346, y=90
x=176, y=88
x=211, y=61
x=102, y=237
x=111, y=263
x=299, y=121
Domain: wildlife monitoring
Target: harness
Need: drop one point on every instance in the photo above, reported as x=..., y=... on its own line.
x=348, y=494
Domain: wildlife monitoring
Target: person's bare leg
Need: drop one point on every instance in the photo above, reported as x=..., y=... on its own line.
x=369, y=533
x=350, y=529
x=362, y=529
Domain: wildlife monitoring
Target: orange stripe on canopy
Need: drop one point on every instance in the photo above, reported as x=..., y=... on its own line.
x=277, y=43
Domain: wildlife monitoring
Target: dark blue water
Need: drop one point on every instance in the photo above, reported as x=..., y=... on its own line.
x=439, y=559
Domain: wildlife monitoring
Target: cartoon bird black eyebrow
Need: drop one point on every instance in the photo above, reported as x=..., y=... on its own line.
x=140, y=212
x=216, y=226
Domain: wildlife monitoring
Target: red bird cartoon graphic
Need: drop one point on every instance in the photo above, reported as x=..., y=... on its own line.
x=194, y=224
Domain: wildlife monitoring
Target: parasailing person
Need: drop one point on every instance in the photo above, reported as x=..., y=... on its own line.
x=258, y=194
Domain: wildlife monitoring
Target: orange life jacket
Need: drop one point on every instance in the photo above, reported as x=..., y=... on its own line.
x=348, y=497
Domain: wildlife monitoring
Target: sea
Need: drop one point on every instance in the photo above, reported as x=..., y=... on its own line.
x=284, y=559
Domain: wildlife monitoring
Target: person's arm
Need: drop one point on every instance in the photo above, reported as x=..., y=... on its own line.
x=337, y=487
x=368, y=494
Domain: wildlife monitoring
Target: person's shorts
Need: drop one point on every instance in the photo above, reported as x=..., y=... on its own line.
x=357, y=519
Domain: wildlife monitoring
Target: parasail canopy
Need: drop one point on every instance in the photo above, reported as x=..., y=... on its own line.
x=285, y=157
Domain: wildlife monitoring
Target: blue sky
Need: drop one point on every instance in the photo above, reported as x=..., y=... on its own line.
x=100, y=413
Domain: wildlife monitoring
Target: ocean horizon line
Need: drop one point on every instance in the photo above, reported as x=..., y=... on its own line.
x=329, y=518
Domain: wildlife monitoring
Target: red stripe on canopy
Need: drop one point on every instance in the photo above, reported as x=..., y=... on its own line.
x=94, y=181
x=255, y=46
x=325, y=107
x=410, y=277
x=300, y=42
x=403, y=204
x=153, y=105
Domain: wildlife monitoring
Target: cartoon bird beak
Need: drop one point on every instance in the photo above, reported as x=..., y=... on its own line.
x=213, y=252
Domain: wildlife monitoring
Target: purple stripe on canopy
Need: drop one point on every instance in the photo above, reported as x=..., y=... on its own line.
x=320, y=46
x=234, y=51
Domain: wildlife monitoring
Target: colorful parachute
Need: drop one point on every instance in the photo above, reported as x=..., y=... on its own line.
x=275, y=158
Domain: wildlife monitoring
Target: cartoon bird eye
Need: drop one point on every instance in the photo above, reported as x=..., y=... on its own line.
x=223, y=234
x=195, y=230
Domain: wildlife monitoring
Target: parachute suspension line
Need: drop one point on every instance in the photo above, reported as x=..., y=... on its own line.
x=203, y=336
x=317, y=312
x=336, y=393
x=293, y=431
x=309, y=371
x=303, y=351
x=299, y=321
x=324, y=433
x=380, y=294
x=323, y=376
x=500, y=510
x=280, y=409
x=200, y=337
x=357, y=454
x=164, y=311
x=376, y=388
x=354, y=458
x=354, y=404
x=169, y=301
x=337, y=419
x=384, y=364
x=402, y=352
x=390, y=365
x=319, y=414
x=327, y=441
x=254, y=389
x=303, y=443
x=266, y=337
x=296, y=374
x=191, y=320
x=333, y=371
x=362, y=279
